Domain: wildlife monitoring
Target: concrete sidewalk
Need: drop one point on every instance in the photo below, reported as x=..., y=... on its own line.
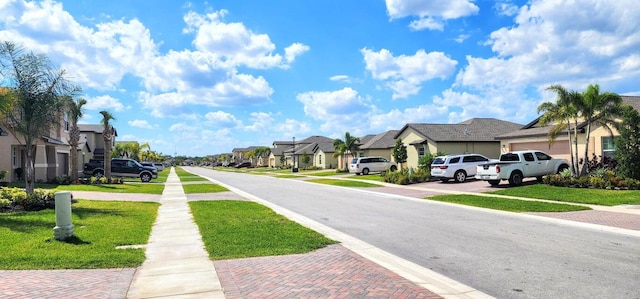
x=177, y=264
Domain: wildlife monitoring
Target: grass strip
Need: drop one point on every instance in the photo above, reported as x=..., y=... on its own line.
x=186, y=176
x=238, y=229
x=324, y=173
x=146, y=188
x=203, y=188
x=99, y=226
x=507, y=204
x=288, y=176
x=578, y=195
x=343, y=183
x=377, y=178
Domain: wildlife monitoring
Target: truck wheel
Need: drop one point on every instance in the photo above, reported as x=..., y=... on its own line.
x=145, y=177
x=393, y=168
x=515, y=179
x=562, y=168
x=494, y=182
x=365, y=171
x=539, y=179
x=98, y=173
x=460, y=176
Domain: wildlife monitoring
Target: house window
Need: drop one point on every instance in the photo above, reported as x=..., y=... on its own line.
x=421, y=152
x=15, y=156
x=608, y=147
x=66, y=121
x=319, y=159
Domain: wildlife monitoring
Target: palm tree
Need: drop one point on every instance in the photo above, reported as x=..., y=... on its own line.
x=107, y=135
x=75, y=113
x=562, y=113
x=261, y=151
x=600, y=109
x=350, y=145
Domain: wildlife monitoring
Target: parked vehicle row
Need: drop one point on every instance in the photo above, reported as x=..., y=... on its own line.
x=512, y=166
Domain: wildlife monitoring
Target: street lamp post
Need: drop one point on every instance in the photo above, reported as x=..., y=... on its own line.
x=293, y=157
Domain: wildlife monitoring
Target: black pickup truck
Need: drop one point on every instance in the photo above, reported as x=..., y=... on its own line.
x=121, y=168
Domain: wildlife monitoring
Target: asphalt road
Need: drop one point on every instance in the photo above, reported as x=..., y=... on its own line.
x=506, y=255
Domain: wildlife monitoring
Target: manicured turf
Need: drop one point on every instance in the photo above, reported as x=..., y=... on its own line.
x=577, y=195
x=147, y=188
x=343, y=183
x=238, y=229
x=505, y=204
x=186, y=176
x=203, y=188
x=370, y=177
x=324, y=173
x=99, y=226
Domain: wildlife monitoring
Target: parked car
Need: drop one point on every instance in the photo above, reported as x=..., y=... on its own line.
x=456, y=167
x=515, y=166
x=366, y=165
x=159, y=166
x=243, y=164
x=121, y=168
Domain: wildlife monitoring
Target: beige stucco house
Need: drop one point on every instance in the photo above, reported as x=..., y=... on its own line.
x=476, y=135
x=534, y=136
x=52, y=151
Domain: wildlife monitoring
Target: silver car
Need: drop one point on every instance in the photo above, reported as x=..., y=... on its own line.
x=366, y=165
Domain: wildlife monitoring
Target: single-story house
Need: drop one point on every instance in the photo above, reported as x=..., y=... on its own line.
x=535, y=137
x=476, y=135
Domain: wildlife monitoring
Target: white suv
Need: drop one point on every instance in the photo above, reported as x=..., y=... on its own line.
x=365, y=165
x=457, y=167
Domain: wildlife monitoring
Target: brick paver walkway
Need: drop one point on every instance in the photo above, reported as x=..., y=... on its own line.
x=41, y=284
x=330, y=272
x=620, y=220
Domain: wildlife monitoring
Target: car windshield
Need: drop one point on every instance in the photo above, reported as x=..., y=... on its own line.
x=438, y=160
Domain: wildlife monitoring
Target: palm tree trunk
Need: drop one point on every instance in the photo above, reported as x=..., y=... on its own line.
x=573, y=165
x=585, y=162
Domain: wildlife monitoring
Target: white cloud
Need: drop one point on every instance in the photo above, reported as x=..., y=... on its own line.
x=221, y=119
x=405, y=74
x=426, y=23
x=260, y=122
x=554, y=41
x=337, y=110
x=235, y=44
x=295, y=50
x=341, y=78
x=104, y=103
x=506, y=8
x=140, y=124
x=430, y=13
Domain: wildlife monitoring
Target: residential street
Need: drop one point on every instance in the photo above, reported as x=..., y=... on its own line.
x=506, y=255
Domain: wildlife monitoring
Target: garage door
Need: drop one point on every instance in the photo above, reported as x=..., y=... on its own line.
x=557, y=149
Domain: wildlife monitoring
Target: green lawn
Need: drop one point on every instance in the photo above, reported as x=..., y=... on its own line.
x=288, y=176
x=324, y=173
x=370, y=177
x=147, y=188
x=238, y=229
x=343, y=183
x=99, y=226
x=505, y=204
x=203, y=188
x=577, y=195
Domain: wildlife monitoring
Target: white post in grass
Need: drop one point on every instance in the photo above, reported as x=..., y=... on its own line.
x=64, y=228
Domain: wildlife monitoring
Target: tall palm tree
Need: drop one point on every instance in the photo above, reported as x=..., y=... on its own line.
x=75, y=113
x=563, y=113
x=107, y=136
x=599, y=109
x=260, y=152
x=350, y=145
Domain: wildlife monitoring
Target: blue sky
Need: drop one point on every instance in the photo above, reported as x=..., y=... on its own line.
x=199, y=78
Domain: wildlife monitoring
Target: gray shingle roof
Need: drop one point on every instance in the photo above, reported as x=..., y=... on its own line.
x=383, y=141
x=475, y=129
x=534, y=130
x=314, y=139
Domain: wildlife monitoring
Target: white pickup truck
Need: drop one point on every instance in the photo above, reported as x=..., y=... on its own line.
x=517, y=165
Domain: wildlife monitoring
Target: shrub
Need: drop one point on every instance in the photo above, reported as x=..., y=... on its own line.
x=311, y=167
x=420, y=176
x=38, y=200
x=102, y=180
x=597, y=182
x=4, y=203
x=63, y=180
